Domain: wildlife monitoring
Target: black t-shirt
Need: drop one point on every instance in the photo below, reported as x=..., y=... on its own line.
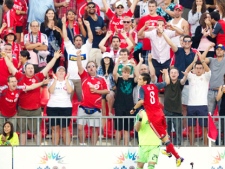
x=222, y=106
x=172, y=97
x=124, y=96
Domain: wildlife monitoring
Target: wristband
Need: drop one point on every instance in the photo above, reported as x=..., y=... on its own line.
x=140, y=119
x=133, y=109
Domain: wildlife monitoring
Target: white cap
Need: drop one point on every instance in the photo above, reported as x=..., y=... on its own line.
x=107, y=54
x=119, y=3
x=60, y=67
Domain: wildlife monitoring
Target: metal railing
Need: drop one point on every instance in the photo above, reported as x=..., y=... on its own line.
x=106, y=134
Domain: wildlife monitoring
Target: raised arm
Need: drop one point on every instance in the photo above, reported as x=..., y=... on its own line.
x=184, y=79
x=133, y=6
x=151, y=68
x=64, y=31
x=51, y=88
x=69, y=88
x=220, y=93
x=36, y=85
x=141, y=32
x=166, y=76
x=103, y=41
x=106, y=6
x=57, y=54
x=79, y=63
x=9, y=64
x=205, y=66
x=203, y=55
x=169, y=41
x=115, y=70
x=90, y=35
x=190, y=67
x=129, y=42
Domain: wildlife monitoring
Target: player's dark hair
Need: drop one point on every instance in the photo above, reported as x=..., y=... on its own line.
x=124, y=50
x=146, y=77
x=9, y=3
x=174, y=68
x=198, y=63
x=27, y=65
x=25, y=54
x=215, y=16
x=96, y=65
x=110, y=68
x=11, y=132
x=187, y=36
x=152, y=2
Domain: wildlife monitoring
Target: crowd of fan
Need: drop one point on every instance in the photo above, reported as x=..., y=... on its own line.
x=97, y=50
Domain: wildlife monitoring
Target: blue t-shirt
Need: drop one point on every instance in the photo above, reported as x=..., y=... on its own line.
x=182, y=61
x=186, y=3
x=99, y=23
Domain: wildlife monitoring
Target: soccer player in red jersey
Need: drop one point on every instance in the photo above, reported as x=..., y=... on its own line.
x=93, y=87
x=148, y=95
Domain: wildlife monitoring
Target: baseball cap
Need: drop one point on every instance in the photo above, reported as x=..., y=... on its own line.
x=60, y=67
x=106, y=54
x=220, y=46
x=178, y=6
x=91, y=3
x=119, y=3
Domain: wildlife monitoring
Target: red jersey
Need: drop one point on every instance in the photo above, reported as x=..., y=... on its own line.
x=153, y=22
x=149, y=93
x=92, y=100
x=20, y=5
x=83, y=8
x=4, y=71
x=10, y=19
x=220, y=38
x=114, y=53
x=30, y=100
x=9, y=100
x=16, y=48
x=116, y=21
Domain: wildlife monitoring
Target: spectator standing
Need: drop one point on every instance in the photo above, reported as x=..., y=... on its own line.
x=123, y=101
x=63, y=6
x=98, y=29
x=116, y=17
x=173, y=104
x=197, y=100
x=59, y=104
x=143, y=11
x=4, y=71
x=202, y=39
x=9, y=137
x=23, y=60
x=11, y=38
x=152, y=19
x=220, y=6
x=126, y=4
x=72, y=57
x=217, y=67
x=29, y=102
x=149, y=143
x=52, y=27
x=166, y=10
x=37, y=9
x=194, y=15
x=20, y=7
x=93, y=88
x=36, y=42
x=82, y=13
x=9, y=16
x=180, y=23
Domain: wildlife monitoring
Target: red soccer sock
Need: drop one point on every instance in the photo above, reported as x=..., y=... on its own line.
x=170, y=149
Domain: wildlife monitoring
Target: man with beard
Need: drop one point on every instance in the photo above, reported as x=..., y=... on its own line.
x=72, y=58
x=180, y=23
x=114, y=50
x=98, y=29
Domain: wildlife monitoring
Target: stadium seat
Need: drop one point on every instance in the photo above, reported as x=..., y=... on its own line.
x=44, y=96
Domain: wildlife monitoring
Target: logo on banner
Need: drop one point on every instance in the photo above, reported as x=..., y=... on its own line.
x=218, y=160
x=51, y=160
x=126, y=160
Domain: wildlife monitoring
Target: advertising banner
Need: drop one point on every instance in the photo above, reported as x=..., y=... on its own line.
x=5, y=157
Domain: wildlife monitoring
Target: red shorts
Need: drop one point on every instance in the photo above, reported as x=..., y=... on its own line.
x=159, y=126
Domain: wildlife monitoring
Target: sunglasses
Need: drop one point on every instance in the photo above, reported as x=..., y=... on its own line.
x=91, y=7
x=119, y=7
x=187, y=41
x=126, y=21
x=90, y=66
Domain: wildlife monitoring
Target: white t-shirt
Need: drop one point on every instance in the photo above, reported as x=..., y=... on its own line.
x=160, y=48
x=72, y=63
x=143, y=8
x=60, y=97
x=198, y=89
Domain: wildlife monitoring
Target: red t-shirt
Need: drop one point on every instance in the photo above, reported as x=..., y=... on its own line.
x=4, y=71
x=16, y=48
x=83, y=7
x=115, y=21
x=92, y=100
x=9, y=100
x=10, y=19
x=30, y=100
x=153, y=22
x=21, y=6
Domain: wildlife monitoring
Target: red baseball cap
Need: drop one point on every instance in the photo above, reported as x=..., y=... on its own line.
x=178, y=6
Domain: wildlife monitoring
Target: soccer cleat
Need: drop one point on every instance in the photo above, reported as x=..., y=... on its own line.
x=179, y=161
x=166, y=153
